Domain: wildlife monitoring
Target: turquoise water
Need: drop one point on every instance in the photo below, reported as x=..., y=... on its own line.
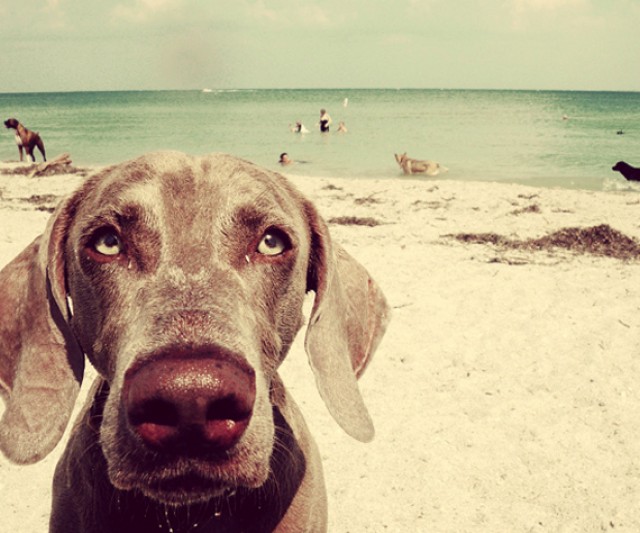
x=509, y=136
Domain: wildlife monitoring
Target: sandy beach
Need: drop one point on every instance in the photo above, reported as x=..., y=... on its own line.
x=505, y=393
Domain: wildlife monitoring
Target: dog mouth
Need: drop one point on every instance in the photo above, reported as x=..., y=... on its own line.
x=197, y=486
x=187, y=489
x=186, y=481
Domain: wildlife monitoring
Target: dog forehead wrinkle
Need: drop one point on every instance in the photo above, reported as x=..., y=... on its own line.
x=107, y=201
x=136, y=212
x=208, y=209
x=256, y=206
x=144, y=194
x=192, y=204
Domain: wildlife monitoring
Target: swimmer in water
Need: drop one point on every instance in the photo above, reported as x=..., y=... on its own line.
x=299, y=128
x=325, y=120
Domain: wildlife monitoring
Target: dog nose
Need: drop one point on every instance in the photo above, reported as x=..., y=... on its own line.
x=190, y=406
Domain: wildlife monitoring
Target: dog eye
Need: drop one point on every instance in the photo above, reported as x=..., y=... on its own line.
x=273, y=242
x=108, y=243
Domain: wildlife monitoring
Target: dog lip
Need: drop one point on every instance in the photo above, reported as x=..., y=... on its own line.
x=191, y=487
x=174, y=480
x=177, y=476
x=179, y=484
x=188, y=492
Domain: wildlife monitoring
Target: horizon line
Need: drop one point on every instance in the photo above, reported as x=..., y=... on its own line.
x=247, y=89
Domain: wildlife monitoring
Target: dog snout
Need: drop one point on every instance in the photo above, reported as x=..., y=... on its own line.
x=190, y=405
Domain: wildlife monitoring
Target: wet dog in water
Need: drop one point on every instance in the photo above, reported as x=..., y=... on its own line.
x=630, y=173
x=416, y=166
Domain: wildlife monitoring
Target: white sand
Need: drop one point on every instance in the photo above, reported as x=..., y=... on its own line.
x=506, y=391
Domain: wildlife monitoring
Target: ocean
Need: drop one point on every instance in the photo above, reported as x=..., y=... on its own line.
x=540, y=138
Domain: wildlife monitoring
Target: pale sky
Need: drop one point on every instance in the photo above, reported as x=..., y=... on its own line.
x=67, y=45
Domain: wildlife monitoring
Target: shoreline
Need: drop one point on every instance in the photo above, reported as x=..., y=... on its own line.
x=614, y=183
x=504, y=392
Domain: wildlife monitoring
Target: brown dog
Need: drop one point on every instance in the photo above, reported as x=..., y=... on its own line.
x=26, y=140
x=417, y=166
x=182, y=279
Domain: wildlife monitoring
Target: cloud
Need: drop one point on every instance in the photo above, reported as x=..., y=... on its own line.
x=314, y=15
x=524, y=12
x=55, y=15
x=286, y=15
x=546, y=4
x=259, y=10
x=522, y=6
x=143, y=10
x=421, y=6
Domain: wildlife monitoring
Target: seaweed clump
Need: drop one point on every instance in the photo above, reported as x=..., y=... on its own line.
x=355, y=221
x=600, y=240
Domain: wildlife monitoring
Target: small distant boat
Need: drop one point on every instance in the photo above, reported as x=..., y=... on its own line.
x=207, y=90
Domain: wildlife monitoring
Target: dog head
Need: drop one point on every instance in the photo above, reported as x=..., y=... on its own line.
x=182, y=279
x=11, y=123
x=400, y=158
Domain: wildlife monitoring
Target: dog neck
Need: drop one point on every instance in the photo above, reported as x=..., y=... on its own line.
x=21, y=134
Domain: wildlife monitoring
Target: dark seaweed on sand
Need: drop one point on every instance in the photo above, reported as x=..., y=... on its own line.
x=354, y=221
x=600, y=240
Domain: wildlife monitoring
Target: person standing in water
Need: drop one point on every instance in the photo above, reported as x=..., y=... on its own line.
x=325, y=120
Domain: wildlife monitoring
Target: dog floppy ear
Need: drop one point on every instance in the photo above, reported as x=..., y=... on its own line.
x=348, y=320
x=40, y=363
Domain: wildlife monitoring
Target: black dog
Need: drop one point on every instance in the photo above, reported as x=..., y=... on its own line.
x=25, y=139
x=630, y=173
